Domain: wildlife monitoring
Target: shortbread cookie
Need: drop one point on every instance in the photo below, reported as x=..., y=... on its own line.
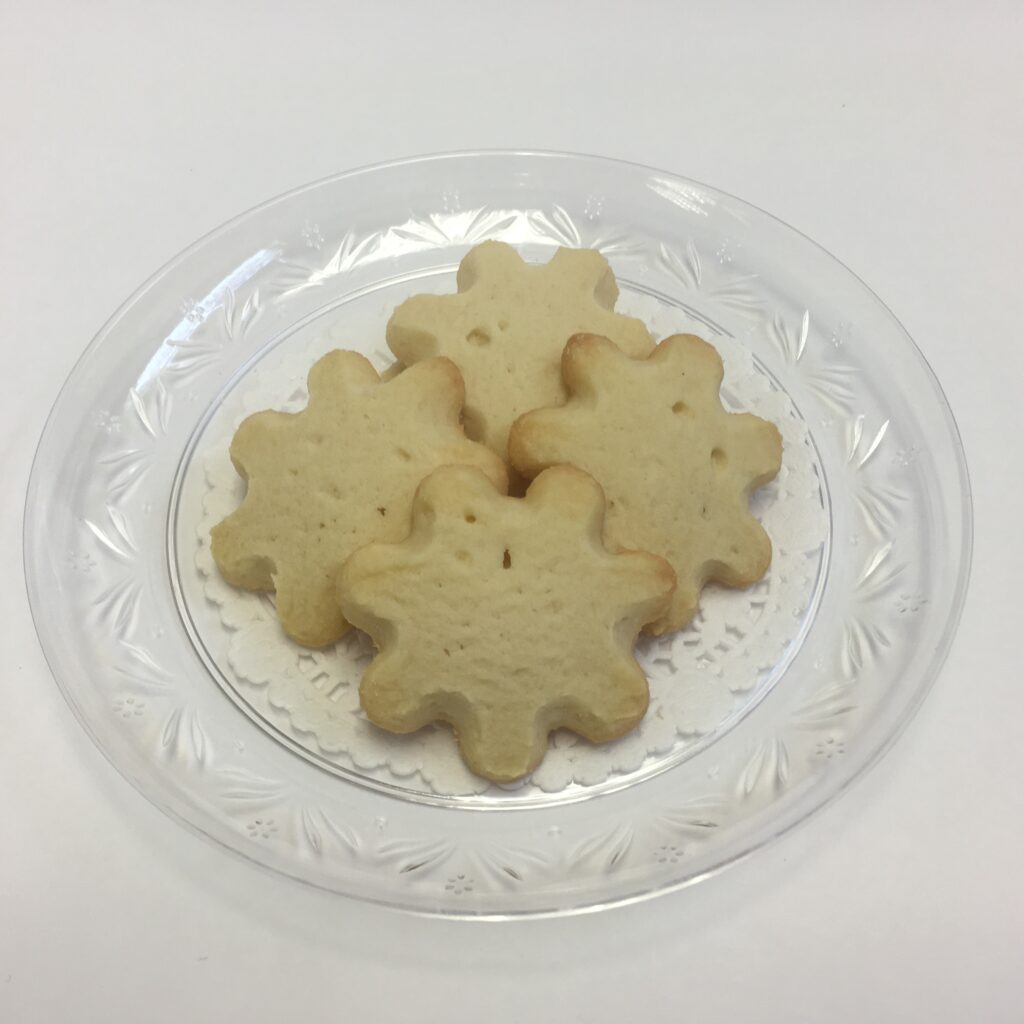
x=339, y=474
x=507, y=618
x=676, y=468
x=506, y=328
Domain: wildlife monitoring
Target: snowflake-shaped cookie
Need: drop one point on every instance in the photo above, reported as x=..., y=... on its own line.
x=676, y=468
x=339, y=474
x=506, y=328
x=507, y=618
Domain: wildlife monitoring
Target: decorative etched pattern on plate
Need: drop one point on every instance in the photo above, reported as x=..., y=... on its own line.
x=878, y=605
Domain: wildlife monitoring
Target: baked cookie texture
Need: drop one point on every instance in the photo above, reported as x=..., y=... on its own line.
x=506, y=618
x=506, y=327
x=339, y=474
x=677, y=469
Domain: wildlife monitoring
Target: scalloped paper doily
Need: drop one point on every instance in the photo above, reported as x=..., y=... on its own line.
x=700, y=677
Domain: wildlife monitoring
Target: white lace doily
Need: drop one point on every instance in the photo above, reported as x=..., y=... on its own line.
x=700, y=677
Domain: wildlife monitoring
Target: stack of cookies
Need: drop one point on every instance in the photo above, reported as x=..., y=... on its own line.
x=538, y=484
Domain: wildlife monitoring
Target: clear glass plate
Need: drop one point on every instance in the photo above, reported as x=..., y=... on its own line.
x=143, y=651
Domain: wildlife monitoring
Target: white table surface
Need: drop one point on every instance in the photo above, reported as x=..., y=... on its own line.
x=893, y=134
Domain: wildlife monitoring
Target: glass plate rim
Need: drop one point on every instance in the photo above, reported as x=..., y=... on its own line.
x=791, y=817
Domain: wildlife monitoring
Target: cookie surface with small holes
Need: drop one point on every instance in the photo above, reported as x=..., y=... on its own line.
x=507, y=326
x=677, y=469
x=506, y=618
x=339, y=474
